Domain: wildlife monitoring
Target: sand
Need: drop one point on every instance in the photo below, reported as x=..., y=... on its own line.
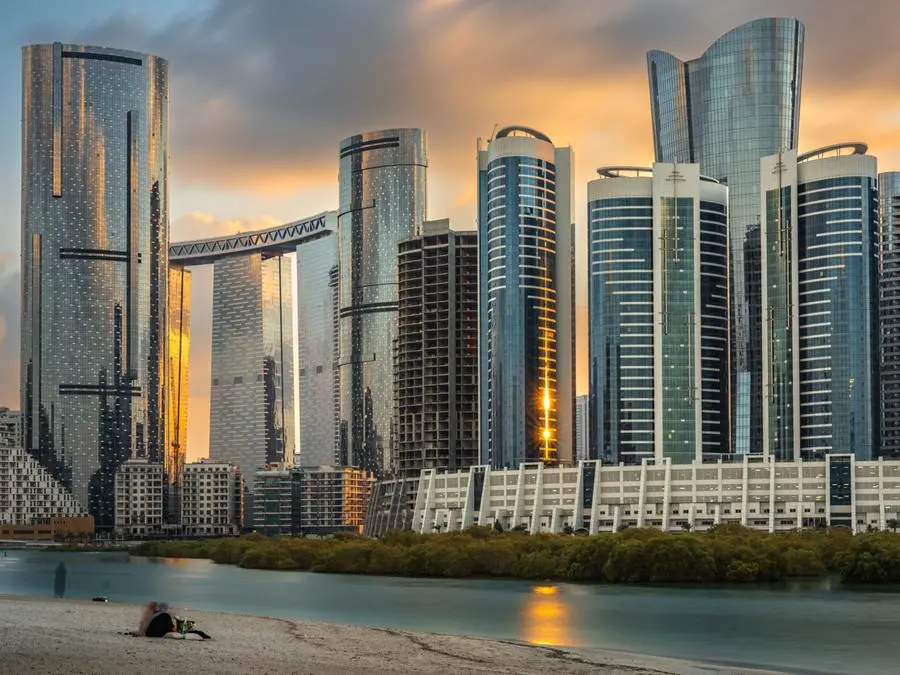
x=70, y=636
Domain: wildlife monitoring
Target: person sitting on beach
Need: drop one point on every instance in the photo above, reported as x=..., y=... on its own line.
x=150, y=610
x=162, y=623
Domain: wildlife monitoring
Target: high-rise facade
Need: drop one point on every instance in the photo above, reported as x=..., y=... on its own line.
x=726, y=110
x=251, y=419
x=179, y=330
x=317, y=349
x=436, y=360
x=526, y=299
x=382, y=202
x=657, y=302
x=819, y=242
x=94, y=264
x=889, y=311
x=582, y=427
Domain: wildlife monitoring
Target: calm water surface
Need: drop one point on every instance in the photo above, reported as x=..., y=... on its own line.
x=801, y=627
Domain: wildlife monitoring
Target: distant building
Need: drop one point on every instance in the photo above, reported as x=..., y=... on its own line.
x=889, y=308
x=526, y=299
x=582, y=427
x=436, y=360
x=333, y=499
x=382, y=202
x=29, y=494
x=317, y=351
x=757, y=492
x=819, y=241
x=391, y=506
x=251, y=416
x=274, y=501
x=658, y=314
x=95, y=198
x=310, y=500
x=140, y=491
x=212, y=496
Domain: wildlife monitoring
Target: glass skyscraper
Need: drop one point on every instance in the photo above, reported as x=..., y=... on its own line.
x=657, y=301
x=179, y=358
x=317, y=349
x=251, y=417
x=94, y=264
x=726, y=110
x=819, y=244
x=382, y=202
x=526, y=298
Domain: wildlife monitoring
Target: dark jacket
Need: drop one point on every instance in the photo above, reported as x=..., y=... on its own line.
x=160, y=625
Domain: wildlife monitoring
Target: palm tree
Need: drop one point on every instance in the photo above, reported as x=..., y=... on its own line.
x=893, y=523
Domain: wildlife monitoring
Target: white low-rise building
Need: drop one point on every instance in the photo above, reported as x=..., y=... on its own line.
x=139, y=498
x=757, y=492
x=212, y=499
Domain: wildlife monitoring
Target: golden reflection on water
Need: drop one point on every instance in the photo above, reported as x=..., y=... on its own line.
x=177, y=562
x=546, y=618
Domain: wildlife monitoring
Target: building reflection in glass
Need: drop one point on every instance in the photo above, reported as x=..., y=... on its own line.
x=94, y=264
x=546, y=618
x=252, y=393
x=382, y=198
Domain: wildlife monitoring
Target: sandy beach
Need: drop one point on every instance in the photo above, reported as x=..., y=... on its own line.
x=71, y=636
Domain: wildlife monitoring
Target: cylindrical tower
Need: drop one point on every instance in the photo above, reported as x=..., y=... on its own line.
x=94, y=263
x=526, y=299
x=657, y=314
x=382, y=202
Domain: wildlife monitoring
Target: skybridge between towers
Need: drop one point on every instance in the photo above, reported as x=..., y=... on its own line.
x=251, y=421
x=270, y=242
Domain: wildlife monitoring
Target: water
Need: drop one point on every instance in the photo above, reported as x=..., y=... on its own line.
x=815, y=627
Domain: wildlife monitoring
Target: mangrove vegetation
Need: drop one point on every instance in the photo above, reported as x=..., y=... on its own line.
x=726, y=554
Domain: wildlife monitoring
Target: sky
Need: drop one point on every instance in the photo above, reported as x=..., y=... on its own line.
x=262, y=92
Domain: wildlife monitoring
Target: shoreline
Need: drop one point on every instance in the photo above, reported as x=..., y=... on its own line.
x=42, y=635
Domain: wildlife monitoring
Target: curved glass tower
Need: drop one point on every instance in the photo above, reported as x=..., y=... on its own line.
x=726, y=110
x=658, y=317
x=94, y=264
x=526, y=299
x=382, y=202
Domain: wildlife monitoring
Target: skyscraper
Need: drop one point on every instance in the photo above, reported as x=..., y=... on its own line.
x=436, y=361
x=582, y=427
x=94, y=264
x=317, y=349
x=382, y=202
x=526, y=299
x=819, y=242
x=726, y=110
x=177, y=385
x=889, y=310
x=251, y=417
x=658, y=325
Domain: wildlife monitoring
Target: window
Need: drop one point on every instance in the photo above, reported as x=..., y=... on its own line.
x=239, y=380
x=318, y=370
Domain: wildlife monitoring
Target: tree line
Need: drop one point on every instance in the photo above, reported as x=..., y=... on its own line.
x=725, y=554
